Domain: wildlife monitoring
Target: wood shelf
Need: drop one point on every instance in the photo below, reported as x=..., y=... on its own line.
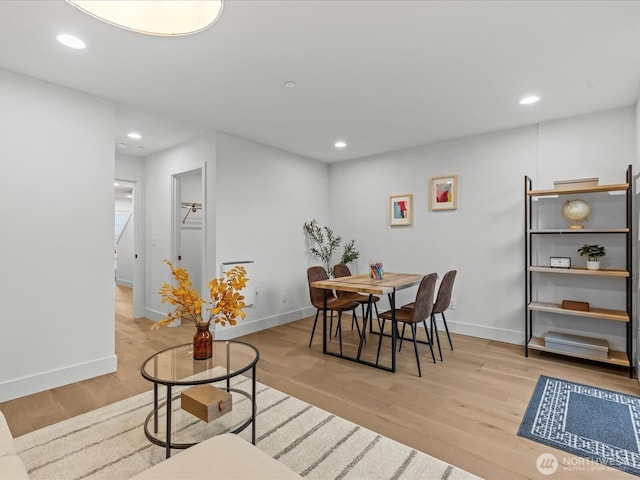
x=594, y=189
x=615, y=357
x=580, y=271
x=584, y=230
x=616, y=222
x=601, y=313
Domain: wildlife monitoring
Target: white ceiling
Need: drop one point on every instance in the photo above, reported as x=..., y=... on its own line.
x=381, y=75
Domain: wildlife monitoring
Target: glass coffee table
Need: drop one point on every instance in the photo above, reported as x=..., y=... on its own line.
x=230, y=365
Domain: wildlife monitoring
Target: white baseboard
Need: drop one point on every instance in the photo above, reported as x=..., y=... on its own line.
x=154, y=315
x=55, y=378
x=244, y=328
x=481, y=331
x=124, y=283
x=21, y=387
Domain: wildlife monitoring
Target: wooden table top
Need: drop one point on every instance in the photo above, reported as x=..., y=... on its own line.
x=364, y=284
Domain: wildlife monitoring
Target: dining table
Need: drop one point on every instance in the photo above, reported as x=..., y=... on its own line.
x=364, y=284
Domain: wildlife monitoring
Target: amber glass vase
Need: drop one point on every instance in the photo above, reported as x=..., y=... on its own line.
x=202, y=343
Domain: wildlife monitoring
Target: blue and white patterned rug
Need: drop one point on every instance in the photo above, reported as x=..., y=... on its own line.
x=600, y=425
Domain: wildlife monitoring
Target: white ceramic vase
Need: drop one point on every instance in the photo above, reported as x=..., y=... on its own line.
x=593, y=265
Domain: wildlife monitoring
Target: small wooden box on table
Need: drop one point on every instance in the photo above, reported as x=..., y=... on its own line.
x=206, y=402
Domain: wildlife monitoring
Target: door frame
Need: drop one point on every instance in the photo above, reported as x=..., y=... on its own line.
x=138, y=244
x=176, y=218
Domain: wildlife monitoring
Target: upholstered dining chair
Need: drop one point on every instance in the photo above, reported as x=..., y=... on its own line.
x=341, y=270
x=334, y=304
x=443, y=300
x=422, y=308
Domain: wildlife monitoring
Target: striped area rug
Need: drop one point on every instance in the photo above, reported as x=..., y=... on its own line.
x=109, y=443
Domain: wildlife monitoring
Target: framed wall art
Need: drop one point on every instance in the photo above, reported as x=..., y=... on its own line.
x=400, y=209
x=443, y=193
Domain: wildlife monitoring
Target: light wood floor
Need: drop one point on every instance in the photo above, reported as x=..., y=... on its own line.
x=465, y=410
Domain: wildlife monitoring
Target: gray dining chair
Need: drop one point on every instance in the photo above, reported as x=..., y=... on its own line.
x=443, y=300
x=334, y=304
x=422, y=308
x=342, y=270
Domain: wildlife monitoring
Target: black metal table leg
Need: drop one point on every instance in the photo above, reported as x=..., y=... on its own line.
x=254, y=405
x=155, y=407
x=363, y=332
x=394, y=325
x=324, y=322
x=168, y=447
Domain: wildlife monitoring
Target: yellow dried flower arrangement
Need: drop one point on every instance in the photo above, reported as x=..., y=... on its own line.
x=226, y=303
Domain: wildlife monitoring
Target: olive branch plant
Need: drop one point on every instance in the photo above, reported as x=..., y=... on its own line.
x=323, y=243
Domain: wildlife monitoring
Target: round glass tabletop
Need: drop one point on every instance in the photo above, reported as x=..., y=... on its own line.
x=176, y=365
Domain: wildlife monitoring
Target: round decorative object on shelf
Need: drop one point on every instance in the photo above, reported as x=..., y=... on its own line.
x=575, y=212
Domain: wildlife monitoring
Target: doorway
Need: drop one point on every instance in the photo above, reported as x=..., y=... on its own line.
x=189, y=226
x=128, y=237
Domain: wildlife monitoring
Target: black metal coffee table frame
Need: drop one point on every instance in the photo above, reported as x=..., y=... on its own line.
x=171, y=382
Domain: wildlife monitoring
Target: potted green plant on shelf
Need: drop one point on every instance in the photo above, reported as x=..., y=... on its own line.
x=593, y=254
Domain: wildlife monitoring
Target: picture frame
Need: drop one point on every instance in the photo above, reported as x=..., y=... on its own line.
x=443, y=193
x=400, y=209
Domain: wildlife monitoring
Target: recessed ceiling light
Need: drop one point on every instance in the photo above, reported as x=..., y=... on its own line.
x=290, y=84
x=116, y=184
x=529, y=100
x=134, y=135
x=122, y=144
x=340, y=144
x=71, y=41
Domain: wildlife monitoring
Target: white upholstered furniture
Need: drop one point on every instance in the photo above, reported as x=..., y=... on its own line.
x=11, y=467
x=225, y=457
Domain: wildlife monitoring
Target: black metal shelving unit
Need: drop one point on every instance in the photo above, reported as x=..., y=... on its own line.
x=623, y=359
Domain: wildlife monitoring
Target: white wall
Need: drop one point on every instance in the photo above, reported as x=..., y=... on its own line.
x=57, y=276
x=258, y=198
x=159, y=169
x=131, y=169
x=484, y=237
x=264, y=196
x=256, y=201
x=128, y=166
x=636, y=159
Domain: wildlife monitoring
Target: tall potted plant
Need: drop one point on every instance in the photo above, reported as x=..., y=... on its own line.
x=593, y=254
x=323, y=243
